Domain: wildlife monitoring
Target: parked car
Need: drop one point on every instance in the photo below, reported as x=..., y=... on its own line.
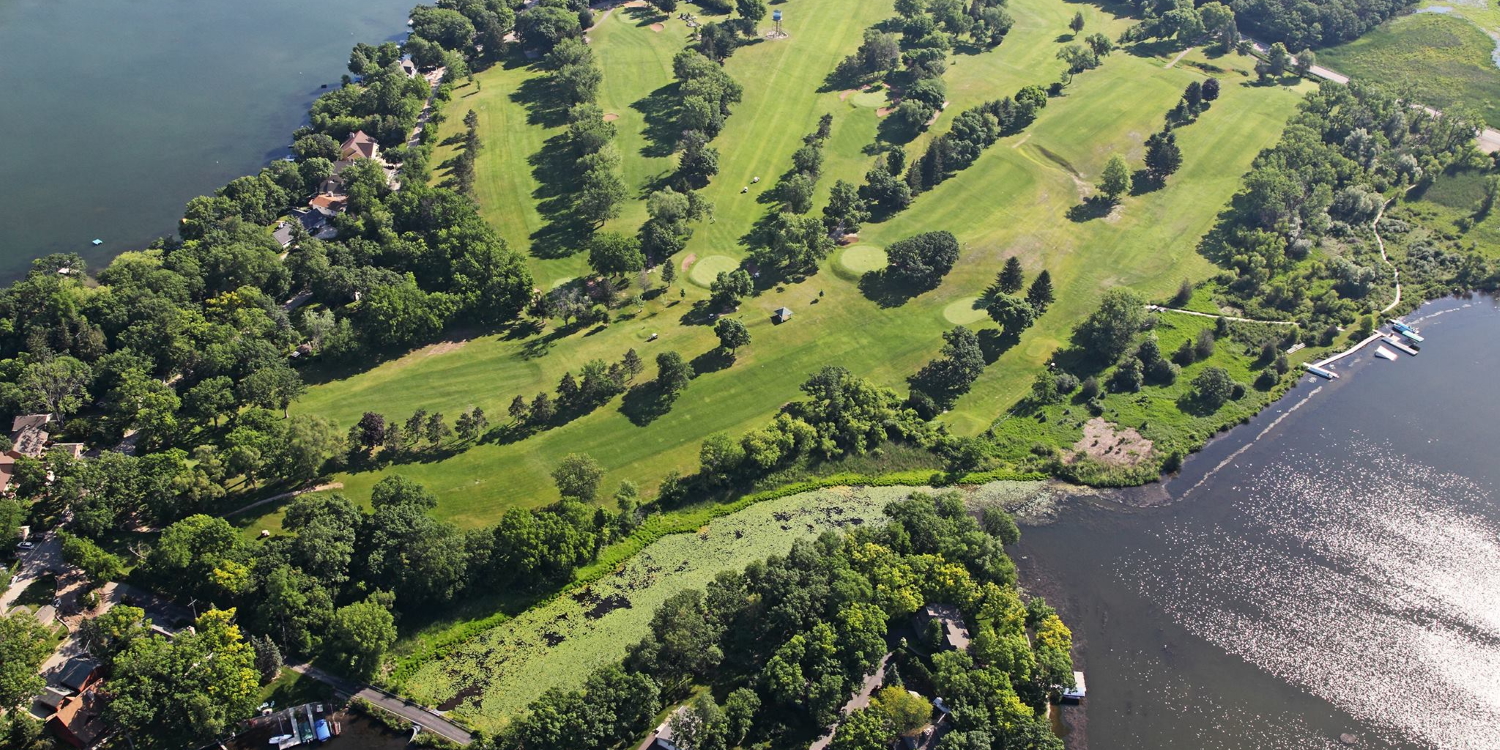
x=25, y=545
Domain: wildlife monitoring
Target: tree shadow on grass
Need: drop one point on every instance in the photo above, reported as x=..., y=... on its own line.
x=893, y=129
x=645, y=15
x=659, y=109
x=1141, y=182
x=1157, y=48
x=702, y=313
x=1092, y=207
x=645, y=403
x=544, y=105
x=993, y=343
x=713, y=360
x=886, y=290
x=556, y=171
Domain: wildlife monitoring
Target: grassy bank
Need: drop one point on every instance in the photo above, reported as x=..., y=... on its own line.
x=493, y=675
x=1440, y=59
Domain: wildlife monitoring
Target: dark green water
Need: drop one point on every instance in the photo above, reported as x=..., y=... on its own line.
x=1331, y=568
x=116, y=112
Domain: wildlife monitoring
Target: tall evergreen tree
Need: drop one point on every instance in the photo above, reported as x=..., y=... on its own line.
x=1040, y=293
x=1012, y=277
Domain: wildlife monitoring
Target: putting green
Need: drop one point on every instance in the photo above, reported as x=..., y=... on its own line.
x=858, y=260
x=871, y=99
x=707, y=269
x=963, y=311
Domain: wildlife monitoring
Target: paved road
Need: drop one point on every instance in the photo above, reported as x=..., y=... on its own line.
x=47, y=557
x=429, y=721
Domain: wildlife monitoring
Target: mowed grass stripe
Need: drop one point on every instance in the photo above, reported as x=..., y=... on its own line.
x=1014, y=200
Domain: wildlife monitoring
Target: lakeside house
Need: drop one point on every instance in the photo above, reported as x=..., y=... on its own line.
x=955, y=632
x=359, y=146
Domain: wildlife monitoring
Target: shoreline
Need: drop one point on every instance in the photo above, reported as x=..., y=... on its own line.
x=1226, y=446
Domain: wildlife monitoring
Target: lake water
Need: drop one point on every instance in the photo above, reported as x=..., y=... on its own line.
x=1331, y=568
x=116, y=113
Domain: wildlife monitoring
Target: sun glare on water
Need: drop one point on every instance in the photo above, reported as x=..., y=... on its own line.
x=1368, y=581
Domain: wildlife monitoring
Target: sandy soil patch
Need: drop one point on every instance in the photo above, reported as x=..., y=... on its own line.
x=883, y=111
x=658, y=28
x=845, y=94
x=688, y=261
x=1108, y=444
x=610, y=117
x=937, y=114
x=636, y=4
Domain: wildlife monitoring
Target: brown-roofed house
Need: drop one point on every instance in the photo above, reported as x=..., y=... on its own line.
x=28, y=435
x=329, y=202
x=30, y=420
x=359, y=146
x=78, y=721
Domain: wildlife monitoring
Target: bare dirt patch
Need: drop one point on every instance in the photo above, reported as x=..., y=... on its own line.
x=688, y=261
x=883, y=111
x=610, y=117
x=444, y=347
x=1109, y=444
x=845, y=94
x=636, y=4
x=658, y=28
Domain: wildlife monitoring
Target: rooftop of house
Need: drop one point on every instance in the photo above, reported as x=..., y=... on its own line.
x=283, y=234
x=30, y=420
x=77, y=673
x=360, y=145
x=80, y=716
x=955, y=632
x=329, y=202
x=29, y=441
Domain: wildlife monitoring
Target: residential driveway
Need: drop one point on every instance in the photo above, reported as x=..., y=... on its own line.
x=35, y=563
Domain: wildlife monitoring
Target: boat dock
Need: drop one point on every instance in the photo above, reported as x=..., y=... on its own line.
x=1320, y=372
x=1407, y=331
x=1393, y=341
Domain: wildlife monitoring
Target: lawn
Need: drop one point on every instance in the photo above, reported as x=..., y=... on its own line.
x=1439, y=59
x=1014, y=200
x=494, y=675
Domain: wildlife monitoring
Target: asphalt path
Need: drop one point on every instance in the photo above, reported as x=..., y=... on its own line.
x=419, y=715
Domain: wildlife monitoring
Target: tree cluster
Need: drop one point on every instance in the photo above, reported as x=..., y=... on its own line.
x=461, y=176
x=1325, y=180
x=542, y=26
x=1314, y=24
x=922, y=260
x=973, y=131
x=789, y=241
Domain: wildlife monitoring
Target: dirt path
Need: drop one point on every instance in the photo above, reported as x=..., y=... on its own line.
x=1395, y=272
x=1179, y=56
x=285, y=495
x=1159, y=308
